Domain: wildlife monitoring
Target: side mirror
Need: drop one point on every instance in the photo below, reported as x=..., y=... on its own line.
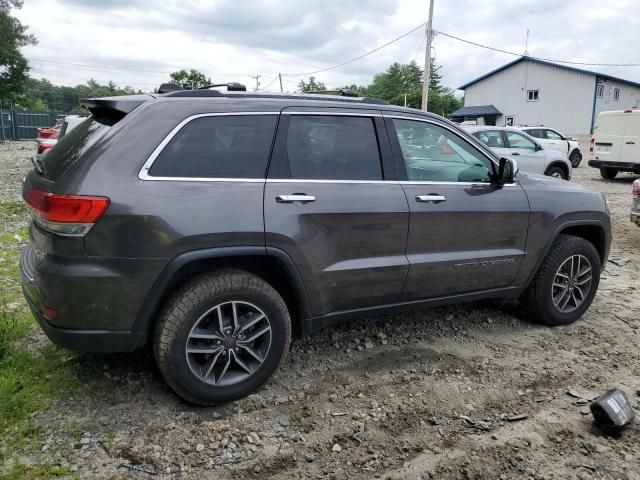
x=507, y=170
x=538, y=147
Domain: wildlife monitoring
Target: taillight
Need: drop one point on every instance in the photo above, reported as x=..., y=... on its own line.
x=43, y=147
x=635, y=190
x=593, y=140
x=69, y=215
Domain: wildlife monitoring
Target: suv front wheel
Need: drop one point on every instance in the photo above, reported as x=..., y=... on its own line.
x=565, y=284
x=221, y=336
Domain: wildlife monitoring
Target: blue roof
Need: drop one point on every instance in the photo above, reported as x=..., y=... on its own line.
x=545, y=62
x=476, y=111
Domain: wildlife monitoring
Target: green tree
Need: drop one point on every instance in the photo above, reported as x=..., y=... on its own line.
x=13, y=65
x=190, y=80
x=311, y=86
x=395, y=82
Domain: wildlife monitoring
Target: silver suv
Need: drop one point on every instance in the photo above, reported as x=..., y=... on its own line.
x=214, y=224
x=531, y=156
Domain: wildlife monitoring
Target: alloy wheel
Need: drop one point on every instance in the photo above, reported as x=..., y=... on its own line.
x=571, y=283
x=228, y=343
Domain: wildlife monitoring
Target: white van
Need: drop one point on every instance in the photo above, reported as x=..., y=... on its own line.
x=615, y=145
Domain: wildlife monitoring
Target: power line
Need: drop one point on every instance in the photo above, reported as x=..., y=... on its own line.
x=359, y=57
x=488, y=47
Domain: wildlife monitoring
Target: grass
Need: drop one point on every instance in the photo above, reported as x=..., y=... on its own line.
x=30, y=379
x=41, y=472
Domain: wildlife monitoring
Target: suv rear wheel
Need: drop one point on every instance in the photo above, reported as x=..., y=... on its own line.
x=565, y=284
x=221, y=336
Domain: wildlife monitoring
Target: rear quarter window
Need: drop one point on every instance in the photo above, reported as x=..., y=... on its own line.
x=218, y=147
x=72, y=147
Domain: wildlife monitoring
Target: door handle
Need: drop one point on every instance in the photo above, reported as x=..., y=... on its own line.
x=515, y=153
x=630, y=142
x=431, y=198
x=296, y=197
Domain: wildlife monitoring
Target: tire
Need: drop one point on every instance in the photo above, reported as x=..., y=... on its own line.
x=575, y=158
x=240, y=295
x=608, y=173
x=538, y=298
x=556, y=172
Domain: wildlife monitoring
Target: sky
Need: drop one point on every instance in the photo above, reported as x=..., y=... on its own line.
x=139, y=42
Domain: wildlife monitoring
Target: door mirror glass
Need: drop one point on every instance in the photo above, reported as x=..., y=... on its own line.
x=507, y=170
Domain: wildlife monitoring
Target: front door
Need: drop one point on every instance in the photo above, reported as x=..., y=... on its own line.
x=524, y=150
x=333, y=204
x=556, y=141
x=465, y=234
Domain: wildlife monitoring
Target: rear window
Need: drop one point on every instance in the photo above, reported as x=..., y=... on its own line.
x=218, y=147
x=71, y=147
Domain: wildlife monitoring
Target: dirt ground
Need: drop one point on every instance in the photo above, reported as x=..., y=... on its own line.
x=462, y=392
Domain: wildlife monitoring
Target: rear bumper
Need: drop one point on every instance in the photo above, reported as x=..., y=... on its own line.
x=620, y=166
x=86, y=340
x=83, y=316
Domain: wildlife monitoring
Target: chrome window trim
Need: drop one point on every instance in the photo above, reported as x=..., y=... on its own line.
x=332, y=114
x=314, y=180
x=143, y=174
x=441, y=125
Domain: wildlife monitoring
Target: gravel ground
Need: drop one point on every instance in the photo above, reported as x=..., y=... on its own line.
x=462, y=392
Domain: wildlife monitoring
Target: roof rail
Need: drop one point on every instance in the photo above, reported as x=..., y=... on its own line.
x=231, y=87
x=343, y=92
x=200, y=93
x=174, y=87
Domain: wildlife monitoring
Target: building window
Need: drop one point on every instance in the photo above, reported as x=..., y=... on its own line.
x=616, y=94
x=532, y=95
x=600, y=90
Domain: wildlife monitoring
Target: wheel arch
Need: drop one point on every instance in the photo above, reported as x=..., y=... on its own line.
x=593, y=231
x=271, y=264
x=559, y=164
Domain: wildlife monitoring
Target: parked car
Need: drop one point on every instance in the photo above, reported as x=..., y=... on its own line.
x=67, y=123
x=532, y=157
x=213, y=224
x=554, y=140
x=50, y=132
x=635, y=205
x=615, y=144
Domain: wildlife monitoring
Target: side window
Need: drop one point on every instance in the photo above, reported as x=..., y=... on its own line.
x=551, y=135
x=325, y=147
x=433, y=153
x=218, y=147
x=491, y=138
x=517, y=140
x=536, y=133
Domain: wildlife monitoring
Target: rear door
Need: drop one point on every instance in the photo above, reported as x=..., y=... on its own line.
x=630, y=148
x=524, y=151
x=609, y=136
x=494, y=140
x=465, y=234
x=333, y=205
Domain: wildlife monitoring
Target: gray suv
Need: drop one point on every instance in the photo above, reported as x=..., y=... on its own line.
x=213, y=224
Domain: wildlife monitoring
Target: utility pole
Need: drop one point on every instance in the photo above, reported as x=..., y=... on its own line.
x=526, y=45
x=257, y=77
x=405, y=99
x=427, y=59
x=280, y=78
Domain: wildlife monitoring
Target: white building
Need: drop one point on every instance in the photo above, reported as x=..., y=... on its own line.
x=528, y=91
